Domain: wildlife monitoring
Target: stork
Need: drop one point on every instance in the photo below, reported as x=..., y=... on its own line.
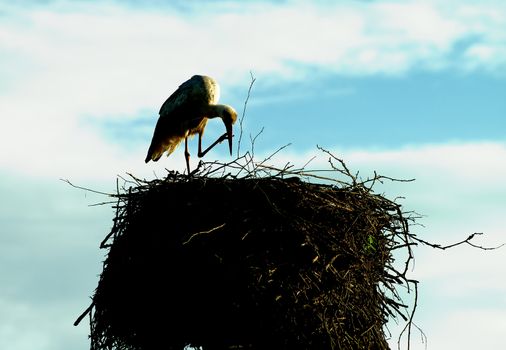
x=185, y=114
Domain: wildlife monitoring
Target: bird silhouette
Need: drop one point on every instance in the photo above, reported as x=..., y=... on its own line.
x=185, y=113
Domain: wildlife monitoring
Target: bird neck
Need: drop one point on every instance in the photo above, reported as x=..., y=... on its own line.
x=215, y=111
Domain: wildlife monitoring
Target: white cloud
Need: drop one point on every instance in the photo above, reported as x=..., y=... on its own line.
x=121, y=43
x=49, y=260
x=68, y=62
x=28, y=326
x=468, y=328
x=62, y=65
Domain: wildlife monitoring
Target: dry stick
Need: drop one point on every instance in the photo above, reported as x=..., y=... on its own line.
x=465, y=241
x=104, y=244
x=126, y=181
x=209, y=170
x=273, y=154
x=310, y=173
x=80, y=318
x=280, y=172
x=307, y=163
x=379, y=178
x=203, y=232
x=410, y=322
x=415, y=283
x=253, y=79
x=252, y=140
x=84, y=188
x=346, y=171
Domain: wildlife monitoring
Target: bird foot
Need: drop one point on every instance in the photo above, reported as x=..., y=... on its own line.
x=197, y=169
x=222, y=138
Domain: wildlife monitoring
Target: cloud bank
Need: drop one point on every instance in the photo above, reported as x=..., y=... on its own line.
x=67, y=63
x=70, y=61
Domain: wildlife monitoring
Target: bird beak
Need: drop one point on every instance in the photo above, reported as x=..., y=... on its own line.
x=229, y=136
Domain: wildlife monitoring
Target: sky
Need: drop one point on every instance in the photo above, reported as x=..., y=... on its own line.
x=410, y=89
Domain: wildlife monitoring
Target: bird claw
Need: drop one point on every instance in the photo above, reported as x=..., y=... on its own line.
x=223, y=138
x=197, y=169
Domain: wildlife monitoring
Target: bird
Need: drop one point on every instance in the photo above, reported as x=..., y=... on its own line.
x=185, y=113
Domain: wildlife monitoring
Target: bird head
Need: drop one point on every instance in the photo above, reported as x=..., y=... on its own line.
x=229, y=116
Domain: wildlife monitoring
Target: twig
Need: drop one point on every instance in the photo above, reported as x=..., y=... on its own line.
x=465, y=241
x=253, y=79
x=252, y=140
x=203, y=232
x=344, y=170
x=87, y=311
x=410, y=323
x=86, y=189
x=274, y=153
x=307, y=163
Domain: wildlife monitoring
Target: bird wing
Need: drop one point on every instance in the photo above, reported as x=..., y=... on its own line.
x=182, y=114
x=198, y=91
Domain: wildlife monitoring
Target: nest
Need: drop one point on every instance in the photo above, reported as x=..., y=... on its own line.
x=248, y=262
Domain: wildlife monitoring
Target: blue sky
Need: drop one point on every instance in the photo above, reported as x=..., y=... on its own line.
x=411, y=89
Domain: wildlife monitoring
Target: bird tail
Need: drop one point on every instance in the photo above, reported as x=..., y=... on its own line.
x=156, y=149
x=150, y=156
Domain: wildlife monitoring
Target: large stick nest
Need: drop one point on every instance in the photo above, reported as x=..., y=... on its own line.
x=249, y=261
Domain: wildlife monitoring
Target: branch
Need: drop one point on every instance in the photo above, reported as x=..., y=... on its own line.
x=344, y=170
x=203, y=232
x=465, y=241
x=253, y=79
x=87, y=311
x=410, y=322
x=86, y=189
x=253, y=140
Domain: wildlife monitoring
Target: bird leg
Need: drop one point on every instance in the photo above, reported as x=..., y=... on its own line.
x=219, y=140
x=187, y=154
x=196, y=170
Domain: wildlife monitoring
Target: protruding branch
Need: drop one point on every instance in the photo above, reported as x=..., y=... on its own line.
x=253, y=79
x=465, y=241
